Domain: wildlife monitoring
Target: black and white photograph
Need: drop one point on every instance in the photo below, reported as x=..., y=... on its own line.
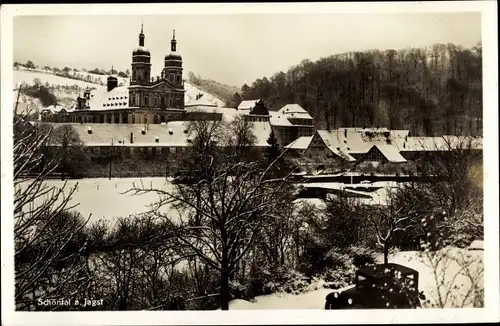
x=236, y=157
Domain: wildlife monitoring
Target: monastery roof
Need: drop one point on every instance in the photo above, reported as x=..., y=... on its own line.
x=117, y=98
x=173, y=134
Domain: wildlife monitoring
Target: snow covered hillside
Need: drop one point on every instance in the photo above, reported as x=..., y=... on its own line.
x=449, y=287
x=67, y=89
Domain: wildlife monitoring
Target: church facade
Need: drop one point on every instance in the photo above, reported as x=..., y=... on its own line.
x=146, y=100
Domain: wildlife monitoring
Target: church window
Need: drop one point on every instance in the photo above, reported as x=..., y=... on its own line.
x=133, y=118
x=177, y=102
x=172, y=77
x=169, y=102
x=146, y=102
x=178, y=78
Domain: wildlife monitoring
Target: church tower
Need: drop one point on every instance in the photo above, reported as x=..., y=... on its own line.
x=141, y=63
x=173, y=65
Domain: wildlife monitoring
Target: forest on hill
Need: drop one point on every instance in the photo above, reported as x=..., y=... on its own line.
x=430, y=91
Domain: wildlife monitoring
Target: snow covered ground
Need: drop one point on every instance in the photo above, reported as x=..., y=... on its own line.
x=28, y=76
x=192, y=91
x=454, y=282
x=105, y=199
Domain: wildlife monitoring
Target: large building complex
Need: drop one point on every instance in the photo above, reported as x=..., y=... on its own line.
x=149, y=117
x=146, y=100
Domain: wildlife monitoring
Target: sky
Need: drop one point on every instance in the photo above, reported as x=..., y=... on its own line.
x=233, y=49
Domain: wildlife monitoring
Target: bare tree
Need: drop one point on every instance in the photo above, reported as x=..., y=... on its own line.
x=69, y=150
x=222, y=212
x=48, y=240
x=390, y=219
x=241, y=135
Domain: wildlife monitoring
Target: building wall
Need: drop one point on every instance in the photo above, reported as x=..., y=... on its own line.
x=156, y=98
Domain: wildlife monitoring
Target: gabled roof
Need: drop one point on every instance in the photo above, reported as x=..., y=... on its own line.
x=349, y=142
x=390, y=152
x=331, y=144
x=247, y=105
x=294, y=111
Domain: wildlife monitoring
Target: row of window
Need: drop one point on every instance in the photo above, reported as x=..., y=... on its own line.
x=128, y=151
x=258, y=119
x=156, y=101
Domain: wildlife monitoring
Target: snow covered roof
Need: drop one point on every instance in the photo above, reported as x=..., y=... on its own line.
x=294, y=111
x=202, y=102
x=292, y=108
x=353, y=144
x=173, y=134
x=117, y=98
x=247, y=105
x=278, y=119
x=390, y=152
x=300, y=143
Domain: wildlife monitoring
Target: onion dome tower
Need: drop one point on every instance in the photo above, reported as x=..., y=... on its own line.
x=173, y=64
x=141, y=63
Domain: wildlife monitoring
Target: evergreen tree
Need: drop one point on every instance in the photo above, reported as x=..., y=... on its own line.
x=283, y=165
x=274, y=150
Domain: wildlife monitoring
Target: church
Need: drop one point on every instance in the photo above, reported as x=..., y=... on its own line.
x=147, y=99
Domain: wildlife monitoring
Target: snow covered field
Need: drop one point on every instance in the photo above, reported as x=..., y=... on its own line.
x=104, y=198
x=454, y=285
x=27, y=76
